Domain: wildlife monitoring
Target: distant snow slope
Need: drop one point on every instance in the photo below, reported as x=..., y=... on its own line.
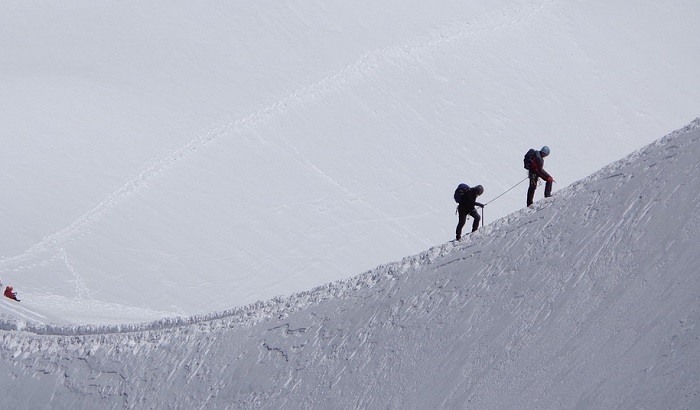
x=163, y=159
x=590, y=299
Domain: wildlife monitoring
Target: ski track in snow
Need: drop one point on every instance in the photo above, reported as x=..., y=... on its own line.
x=356, y=73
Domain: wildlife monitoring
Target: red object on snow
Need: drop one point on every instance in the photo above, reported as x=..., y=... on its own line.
x=10, y=294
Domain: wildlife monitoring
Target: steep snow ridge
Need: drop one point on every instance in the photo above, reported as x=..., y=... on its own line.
x=264, y=310
x=360, y=117
x=588, y=299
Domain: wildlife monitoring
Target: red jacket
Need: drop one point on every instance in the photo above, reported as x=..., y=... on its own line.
x=537, y=166
x=9, y=293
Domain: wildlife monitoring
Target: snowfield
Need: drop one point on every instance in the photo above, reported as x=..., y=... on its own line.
x=167, y=160
x=202, y=202
x=590, y=299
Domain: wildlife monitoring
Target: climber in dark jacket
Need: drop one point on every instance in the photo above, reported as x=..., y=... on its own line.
x=536, y=171
x=467, y=204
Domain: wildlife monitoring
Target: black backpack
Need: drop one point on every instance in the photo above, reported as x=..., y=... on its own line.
x=527, y=161
x=461, y=190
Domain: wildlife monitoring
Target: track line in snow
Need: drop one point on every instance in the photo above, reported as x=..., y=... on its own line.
x=82, y=291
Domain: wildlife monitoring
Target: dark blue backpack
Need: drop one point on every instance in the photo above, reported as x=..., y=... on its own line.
x=461, y=190
x=527, y=161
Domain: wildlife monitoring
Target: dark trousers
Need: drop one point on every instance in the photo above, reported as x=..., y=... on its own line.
x=463, y=213
x=534, y=178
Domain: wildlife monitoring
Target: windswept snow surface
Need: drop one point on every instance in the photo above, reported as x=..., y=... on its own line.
x=590, y=299
x=164, y=159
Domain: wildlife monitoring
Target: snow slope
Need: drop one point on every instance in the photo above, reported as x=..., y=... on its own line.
x=179, y=158
x=590, y=299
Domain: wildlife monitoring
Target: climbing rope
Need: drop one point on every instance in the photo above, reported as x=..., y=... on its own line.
x=509, y=189
x=483, y=220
